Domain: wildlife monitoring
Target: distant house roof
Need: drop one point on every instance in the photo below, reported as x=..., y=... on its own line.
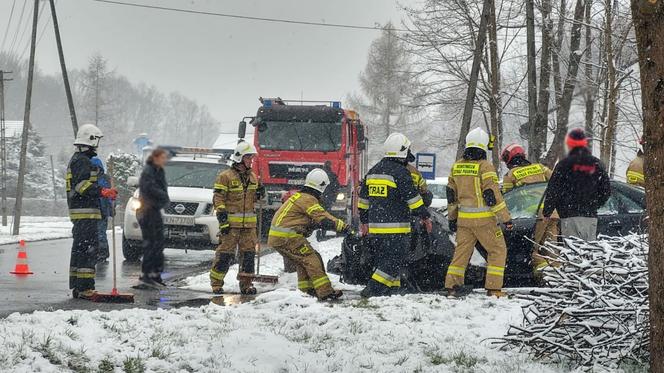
x=13, y=128
x=229, y=140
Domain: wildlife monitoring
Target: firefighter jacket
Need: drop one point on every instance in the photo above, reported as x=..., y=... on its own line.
x=473, y=195
x=235, y=193
x=524, y=175
x=388, y=198
x=300, y=215
x=635, y=174
x=421, y=184
x=83, y=191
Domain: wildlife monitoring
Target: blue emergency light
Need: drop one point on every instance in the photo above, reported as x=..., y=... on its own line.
x=267, y=103
x=336, y=104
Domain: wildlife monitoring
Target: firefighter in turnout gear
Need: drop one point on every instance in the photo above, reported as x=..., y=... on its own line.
x=475, y=206
x=83, y=194
x=388, y=199
x=235, y=192
x=295, y=220
x=635, y=174
x=523, y=172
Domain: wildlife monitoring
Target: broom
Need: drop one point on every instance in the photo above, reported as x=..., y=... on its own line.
x=268, y=279
x=114, y=296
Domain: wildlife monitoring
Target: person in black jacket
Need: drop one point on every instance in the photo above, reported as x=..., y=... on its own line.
x=387, y=200
x=578, y=187
x=329, y=196
x=153, y=194
x=83, y=193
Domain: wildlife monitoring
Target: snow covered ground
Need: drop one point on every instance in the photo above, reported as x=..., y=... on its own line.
x=281, y=331
x=36, y=228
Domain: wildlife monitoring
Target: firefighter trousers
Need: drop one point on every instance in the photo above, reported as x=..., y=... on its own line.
x=152, y=229
x=391, y=251
x=83, y=254
x=311, y=276
x=491, y=238
x=103, y=253
x=243, y=239
x=545, y=231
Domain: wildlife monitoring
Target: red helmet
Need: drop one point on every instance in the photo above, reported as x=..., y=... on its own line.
x=511, y=151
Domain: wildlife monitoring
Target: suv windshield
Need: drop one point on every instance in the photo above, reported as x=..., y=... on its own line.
x=300, y=136
x=192, y=174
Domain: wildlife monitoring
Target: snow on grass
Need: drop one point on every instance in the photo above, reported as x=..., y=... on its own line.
x=282, y=330
x=37, y=228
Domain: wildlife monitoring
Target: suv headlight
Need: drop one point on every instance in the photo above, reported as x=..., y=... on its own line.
x=341, y=197
x=134, y=204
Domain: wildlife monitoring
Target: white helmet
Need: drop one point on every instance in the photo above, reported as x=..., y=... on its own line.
x=317, y=179
x=241, y=149
x=88, y=135
x=396, y=146
x=477, y=138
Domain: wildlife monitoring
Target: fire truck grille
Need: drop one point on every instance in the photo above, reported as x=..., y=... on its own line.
x=294, y=173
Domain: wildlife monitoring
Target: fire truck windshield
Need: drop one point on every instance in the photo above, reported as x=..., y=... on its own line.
x=300, y=136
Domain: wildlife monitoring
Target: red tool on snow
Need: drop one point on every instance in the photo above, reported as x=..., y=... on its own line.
x=114, y=296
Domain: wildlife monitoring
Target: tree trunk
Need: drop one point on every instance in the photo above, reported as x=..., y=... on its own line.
x=495, y=103
x=590, y=90
x=537, y=138
x=555, y=56
x=609, y=130
x=562, y=118
x=474, y=75
x=648, y=19
x=531, y=54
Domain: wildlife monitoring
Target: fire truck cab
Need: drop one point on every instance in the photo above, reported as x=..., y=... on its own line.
x=294, y=137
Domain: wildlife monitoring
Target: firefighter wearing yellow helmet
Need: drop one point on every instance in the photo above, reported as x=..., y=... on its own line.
x=475, y=207
x=236, y=190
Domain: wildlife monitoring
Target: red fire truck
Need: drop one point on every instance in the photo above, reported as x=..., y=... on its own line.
x=294, y=137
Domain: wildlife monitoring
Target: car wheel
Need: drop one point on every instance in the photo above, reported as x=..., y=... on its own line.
x=132, y=251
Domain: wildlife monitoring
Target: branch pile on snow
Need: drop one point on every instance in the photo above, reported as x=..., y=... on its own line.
x=597, y=310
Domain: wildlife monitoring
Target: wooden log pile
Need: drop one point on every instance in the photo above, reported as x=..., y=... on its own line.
x=596, y=312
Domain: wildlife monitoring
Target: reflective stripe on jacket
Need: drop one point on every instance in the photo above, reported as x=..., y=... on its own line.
x=524, y=175
x=235, y=193
x=83, y=191
x=635, y=174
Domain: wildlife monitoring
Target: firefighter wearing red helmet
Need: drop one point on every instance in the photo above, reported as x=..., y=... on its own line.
x=523, y=172
x=635, y=174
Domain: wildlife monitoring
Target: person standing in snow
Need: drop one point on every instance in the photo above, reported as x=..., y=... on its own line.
x=236, y=191
x=293, y=222
x=475, y=206
x=388, y=199
x=106, y=208
x=329, y=197
x=578, y=187
x=635, y=174
x=153, y=195
x=83, y=194
x=523, y=172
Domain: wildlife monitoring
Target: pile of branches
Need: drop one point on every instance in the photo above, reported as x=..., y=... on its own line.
x=596, y=312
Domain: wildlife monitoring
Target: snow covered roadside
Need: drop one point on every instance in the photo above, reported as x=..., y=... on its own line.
x=37, y=228
x=281, y=331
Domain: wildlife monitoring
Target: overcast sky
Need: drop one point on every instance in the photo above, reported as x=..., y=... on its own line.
x=221, y=62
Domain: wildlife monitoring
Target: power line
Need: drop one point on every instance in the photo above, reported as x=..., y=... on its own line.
x=237, y=16
x=18, y=28
x=48, y=22
x=4, y=37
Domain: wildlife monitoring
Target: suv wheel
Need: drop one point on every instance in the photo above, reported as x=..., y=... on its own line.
x=131, y=250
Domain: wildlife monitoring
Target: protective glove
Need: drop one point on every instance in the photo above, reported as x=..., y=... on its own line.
x=453, y=225
x=222, y=218
x=364, y=230
x=260, y=192
x=348, y=230
x=110, y=193
x=509, y=225
x=428, y=225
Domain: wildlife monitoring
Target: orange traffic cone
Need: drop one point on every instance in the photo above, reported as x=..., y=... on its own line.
x=21, y=267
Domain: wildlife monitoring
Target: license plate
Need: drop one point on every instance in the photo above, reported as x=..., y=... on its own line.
x=179, y=220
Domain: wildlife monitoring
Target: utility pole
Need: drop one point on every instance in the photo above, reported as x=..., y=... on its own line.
x=3, y=147
x=55, y=190
x=63, y=67
x=26, y=126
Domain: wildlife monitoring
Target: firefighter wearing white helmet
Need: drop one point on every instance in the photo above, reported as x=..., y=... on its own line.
x=475, y=206
x=83, y=200
x=236, y=190
x=388, y=200
x=295, y=220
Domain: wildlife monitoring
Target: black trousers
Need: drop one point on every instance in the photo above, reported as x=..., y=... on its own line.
x=390, y=251
x=152, y=229
x=83, y=254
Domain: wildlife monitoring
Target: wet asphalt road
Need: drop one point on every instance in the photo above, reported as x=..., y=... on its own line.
x=48, y=287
